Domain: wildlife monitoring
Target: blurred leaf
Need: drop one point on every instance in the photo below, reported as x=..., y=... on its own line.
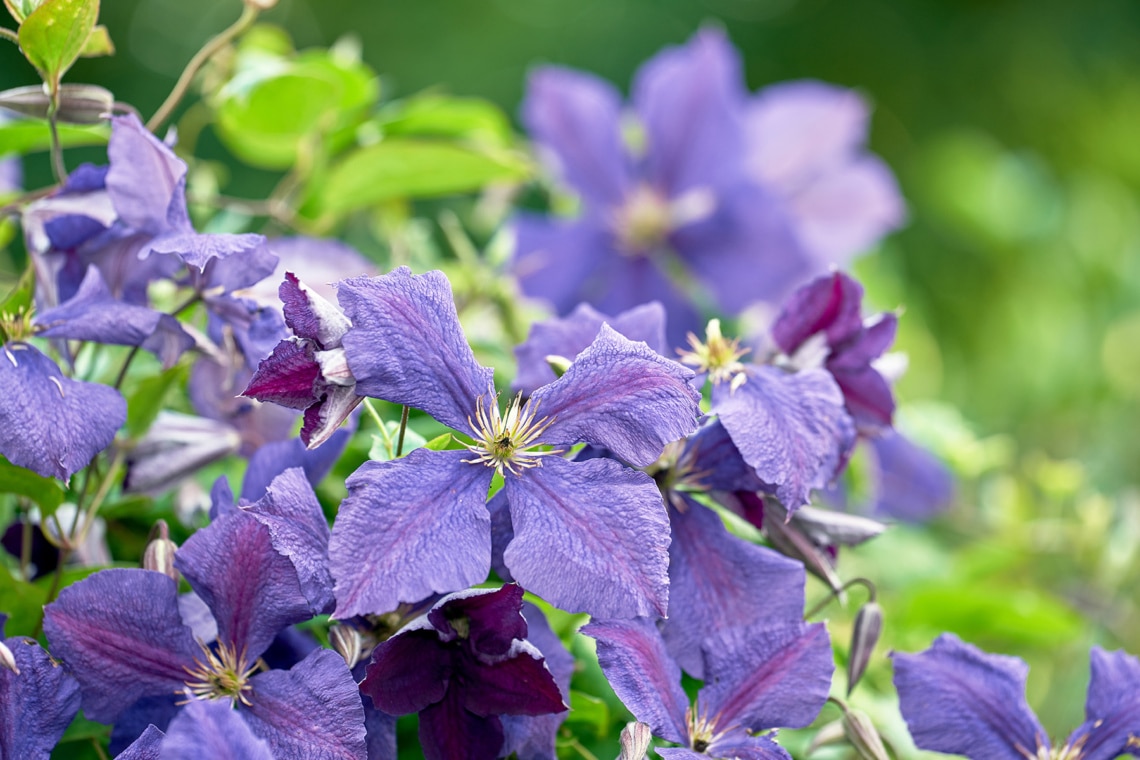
x=148, y=399
x=22, y=602
x=435, y=115
x=23, y=137
x=407, y=168
x=21, y=9
x=440, y=442
x=45, y=492
x=19, y=299
x=384, y=448
x=588, y=712
x=53, y=35
x=98, y=44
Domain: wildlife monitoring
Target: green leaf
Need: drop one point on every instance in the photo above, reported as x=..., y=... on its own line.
x=19, y=299
x=440, y=442
x=54, y=34
x=384, y=449
x=407, y=168
x=21, y=9
x=23, y=137
x=98, y=44
x=147, y=400
x=589, y=712
x=45, y=492
x=435, y=115
x=21, y=601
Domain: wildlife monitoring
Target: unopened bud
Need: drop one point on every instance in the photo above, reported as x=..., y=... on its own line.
x=864, y=637
x=863, y=735
x=78, y=103
x=7, y=659
x=635, y=738
x=832, y=733
x=348, y=643
x=558, y=363
x=159, y=552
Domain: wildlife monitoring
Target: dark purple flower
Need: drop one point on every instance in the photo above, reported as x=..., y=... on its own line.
x=960, y=700
x=588, y=535
x=38, y=699
x=756, y=678
x=462, y=666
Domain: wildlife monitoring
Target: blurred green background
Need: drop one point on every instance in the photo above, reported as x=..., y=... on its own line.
x=1014, y=129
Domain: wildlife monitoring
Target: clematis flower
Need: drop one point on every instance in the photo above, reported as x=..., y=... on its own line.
x=756, y=678
x=259, y=569
x=589, y=535
x=462, y=666
x=38, y=698
x=960, y=700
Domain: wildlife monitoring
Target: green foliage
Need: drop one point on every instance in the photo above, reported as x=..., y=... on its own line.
x=149, y=398
x=55, y=33
x=23, y=137
x=45, y=492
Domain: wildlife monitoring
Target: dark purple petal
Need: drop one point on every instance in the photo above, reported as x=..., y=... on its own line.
x=867, y=397
x=298, y=530
x=792, y=428
x=869, y=343
x=532, y=737
x=147, y=747
x=49, y=423
x=621, y=395
x=406, y=345
x=910, y=483
x=576, y=120
x=310, y=316
x=252, y=590
x=272, y=459
x=146, y=181
x=120, y=633
x=590, y=537
x=830, y=304
x=323, y=418
x=719, y=581
x=767, y=677
x=311, y=712
x=410, y=528
x=288, y=376
x=37, y=705
x=493, y=618
x=1112, y=710
x=519, y=683
x=960, y=700
x=448, y=731
x=409, y=671
x=648, y=681
x=212, y=729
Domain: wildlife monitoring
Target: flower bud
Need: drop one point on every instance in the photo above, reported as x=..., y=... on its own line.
x=159, y=552
x=348, y=643
x=864, y=637
x=863, y=735
x=558, y=364
x=78, y=103
x=7, y=659
x=635, y=738
x=831, y=733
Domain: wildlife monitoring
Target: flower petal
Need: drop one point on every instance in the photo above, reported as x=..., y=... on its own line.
x=532, y=737
x=147, y=747
x=310, y=316
x=909, y=482
x=831, y=303
x=494, y=618
x=225, y=262
x=406, y=345
x=120, y=632
x=49, y=423
x=410, y=528
x=448, y=731
x=409, y=671
x=146, y=181
x=960, y=700
x=739, y=745
x=590, y=537
x=562, y=261
x=646, y=680
x=621, y=395
x=212, y=729
x=37, y=705
x=1112, y=711
x=274, y=458
x=288, y=376
x=518, y=683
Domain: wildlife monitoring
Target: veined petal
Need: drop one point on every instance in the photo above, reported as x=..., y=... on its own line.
x=310, y=316
x=761, y=676
x=590, y=537
x=621, y=395
x=719, y=581
x=224, y=262
x=213, y=729
x=648, y=681
x=147, y=747
x=146, y=181
x=309, y=712
x=406, y=345
x=448, y=730
x=121, y=634
x=1112, y=711
x=410, y=528
x=324, y=418
x=960, y=700
x=739, y=745
x=713, y=461
x=831, y=303
x=37, y=705
x=49, y=423
x=288, y=376
x=532, y=737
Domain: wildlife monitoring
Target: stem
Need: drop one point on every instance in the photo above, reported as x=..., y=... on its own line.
x=9, y=35
x=126, y=365
x=99, y=749
x=100, y=495
x=248, y=14
x=57, y=166
x=581, y=750
x=403, y=427
x=836, y=592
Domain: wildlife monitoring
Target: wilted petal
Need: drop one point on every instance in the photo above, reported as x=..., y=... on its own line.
x=830, y=304
x=49, y=423
x=532, y=737
x=147, y=747
x=621, y=395
x=146, y=181
x=910, y=483
x=310, y=316
x=648, y=682
x=792, y=428
x=323, y=418
x=494, y=618
x=288, y=376
x=766, y=677
x=212, y=729
x=252, y=590
x=121, y=634
x=590, y=537
x=36, y=705
x=960, y=700
x=1112, y=711
x=409, y=528
x=406, y=345
x=576, y=120
x=448, y=730
x=719, y=581
x=310, y=712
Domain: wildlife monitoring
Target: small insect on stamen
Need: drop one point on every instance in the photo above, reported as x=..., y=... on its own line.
x=502, y=440
x=221, y=674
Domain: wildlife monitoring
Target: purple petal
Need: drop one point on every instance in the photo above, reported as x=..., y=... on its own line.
x=253, y=591
x=146, y=181
x=324, y=418
x=646, y=680
x=272, y=459
x=288, y=376
x=739, y=745
x=410, y=528
x=310, y=712
x=713, y=460
x=494, y=618
x=37, y=705
x=299, y=531
x=120, y=632
x=831, y=303
x=590, y=537
x=691, y=99
x=1112, y=711
x=869, y=343
x=406, y=345
x=310, y=316
x=147, y=747
x=215, y=730
x=51, y=424
x=317, y=261
x=533, y=737
x=256, y=329
x=409, y=671
x=176, y=446
x=501, y=533
x=228, y=262
x=621, y=395
x=563, y=262
x=867, y=397
x=213, y=389
x=380, y=728
x=576, y=120
x=792, y=428
x=910, y=483
x=713, y=582
x=137, y=720
x=571, y=335
x=448, y=730
x=767, y=677
x=960, y=700
x=519, y=683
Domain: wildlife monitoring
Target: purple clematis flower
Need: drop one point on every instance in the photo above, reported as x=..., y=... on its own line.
x=38, y=699
x=756, y=678
x=259, y=569
x=588, y=535
x=960, y=700
x=462, y=666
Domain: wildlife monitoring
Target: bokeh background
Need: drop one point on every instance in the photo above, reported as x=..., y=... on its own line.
x=1014, y=129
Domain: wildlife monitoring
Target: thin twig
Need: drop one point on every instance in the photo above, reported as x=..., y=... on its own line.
x=8, y=34
x=403, y=427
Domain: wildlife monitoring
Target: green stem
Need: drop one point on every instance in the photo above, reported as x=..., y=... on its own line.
x=248, y=15
x=58, y=167
x=403, y=427
x=836, y=592
x=9, y=35
x=126, y=366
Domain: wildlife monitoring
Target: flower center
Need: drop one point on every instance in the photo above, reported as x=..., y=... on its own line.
x=16, y=326
x=503, y=441
x=717, y=356
x=702, y=730
x=223, y=673
x=643, y=222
